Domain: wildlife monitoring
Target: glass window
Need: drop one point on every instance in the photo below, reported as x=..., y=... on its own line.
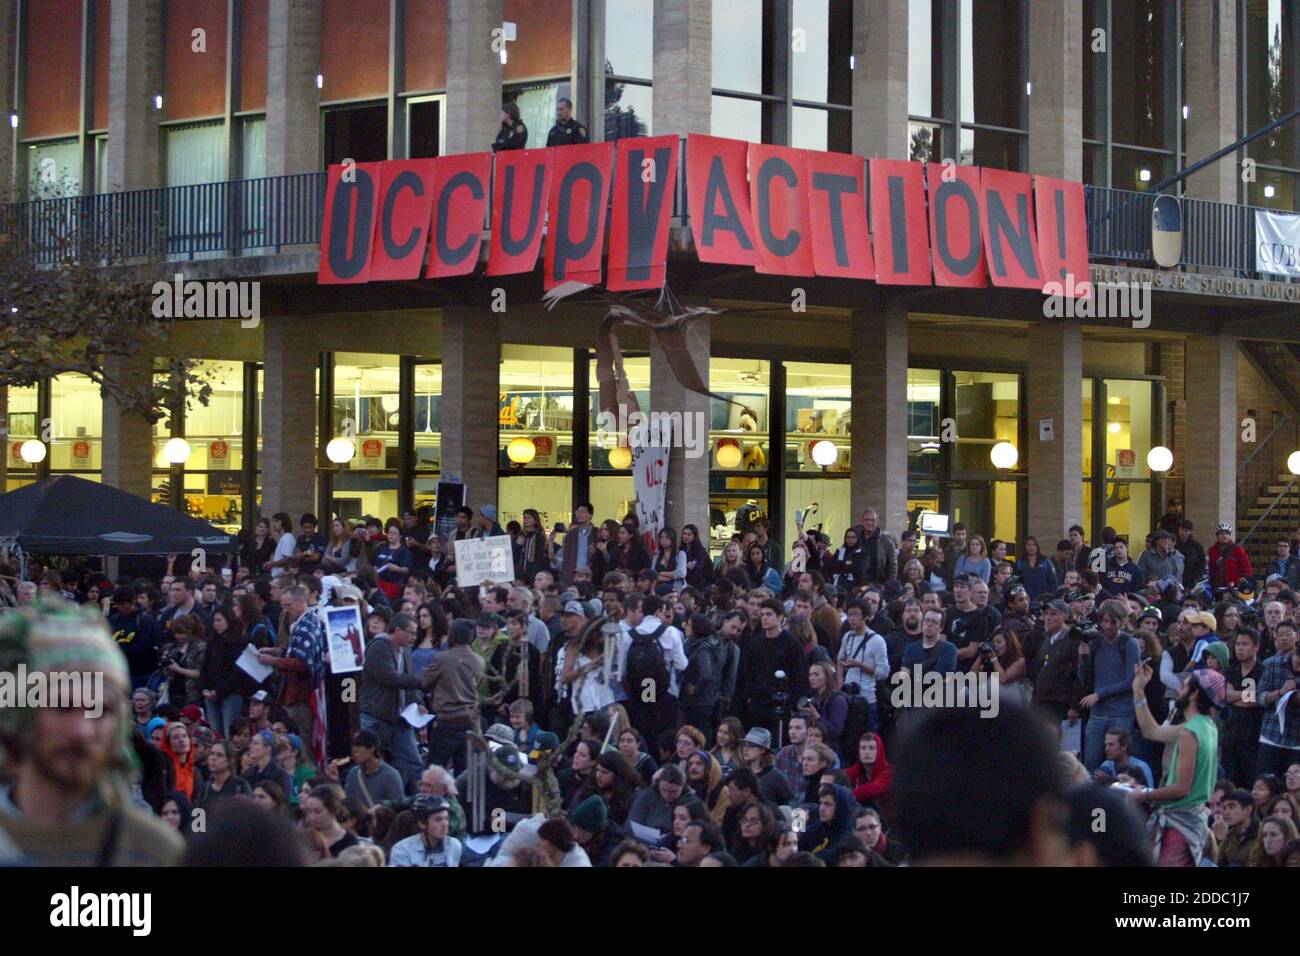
x=359, y=133
x=76, y=426
x=1269, y=46
x=53, y=170
x=1087, y=428
x=925, y=58
x=739, y=435
x=924, y=143
x=101, y=164
x=196, y=154
x=428, y=417
x=551, y=495
x=1272, y=189
x=537, y=402
x=253, y=152
x=366, y=392
x=1128, y=511
x=628, y=110
x=1137, y=44
x=826, y=504
x=992, y=63
x=1094, y=71
x=613, y=496
x=818, y=404
x=1134, y=169
x=820, y=64
x=992, y=148
x=215, y=432
x=738, y=55
x=737, y=119
x=808, y=128
x=600, y=442
x=924, y=461
x=629, y=38
x=22, y=425
x=988, y=411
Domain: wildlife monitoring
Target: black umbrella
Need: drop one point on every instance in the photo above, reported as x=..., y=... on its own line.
x=69, y=515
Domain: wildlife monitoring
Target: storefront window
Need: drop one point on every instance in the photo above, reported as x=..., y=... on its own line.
x=22, y=424
x=366, y=394
x=76, y=426
x=739, y=445
x=817, y=409
x=988, y=412
x=601, y=442
x=215, y=432
x=924, y=458
x=1128, y=439
x=536, y=403
x=428, y=417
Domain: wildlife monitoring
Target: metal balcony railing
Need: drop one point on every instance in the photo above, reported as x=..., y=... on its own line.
x=261, y=216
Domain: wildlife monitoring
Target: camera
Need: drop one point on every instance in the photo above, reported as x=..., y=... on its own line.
x=805, y=702
x=987, y=650
x=1087, y=631
x=781, y=698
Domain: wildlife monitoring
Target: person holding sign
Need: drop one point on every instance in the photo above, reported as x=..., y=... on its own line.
x=393, y=562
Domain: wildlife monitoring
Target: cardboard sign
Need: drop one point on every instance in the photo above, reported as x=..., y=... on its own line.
x=484, y=559
x=343, y=628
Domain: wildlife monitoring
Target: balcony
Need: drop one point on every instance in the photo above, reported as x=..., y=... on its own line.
x=265, y=216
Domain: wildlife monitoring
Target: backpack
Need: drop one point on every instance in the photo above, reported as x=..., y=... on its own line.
x=645, y=661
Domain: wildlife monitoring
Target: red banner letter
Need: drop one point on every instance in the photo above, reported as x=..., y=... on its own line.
x=576, y=235
x=1010, y=242
x=837, y=214
x=460, y=185
x=1062, y=235
x=349, y=225
x=956, y=248
x=898, y=231
x=402, y=230
x=778, y=193
x=645, y=183
x=518, y=205
x=719, y=200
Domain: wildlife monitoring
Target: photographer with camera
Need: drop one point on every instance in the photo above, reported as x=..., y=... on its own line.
x=973, y=619
x=1004, y=657
x=1111, y=662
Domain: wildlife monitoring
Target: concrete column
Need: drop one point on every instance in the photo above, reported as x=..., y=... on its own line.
x=134, y=79
x=1210, y=53
x=1209, y=459
x=688, y=478
x=878, y=357
x=683, y=67
x=1055, y=393
x=128, y=436
x=471, y=366
x=289, y=443
x=8, y=51
x=880, y=79
x=292, y=99
x=474, y=80
x=4, y=459
x=1056, y=104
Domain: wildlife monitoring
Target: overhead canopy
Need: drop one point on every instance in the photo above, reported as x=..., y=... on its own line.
x=69, y=515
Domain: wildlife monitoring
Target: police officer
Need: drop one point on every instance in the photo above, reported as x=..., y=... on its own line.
x=513, y=133
x=566, y=130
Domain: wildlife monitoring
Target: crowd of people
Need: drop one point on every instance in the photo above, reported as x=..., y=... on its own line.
x=629, y=700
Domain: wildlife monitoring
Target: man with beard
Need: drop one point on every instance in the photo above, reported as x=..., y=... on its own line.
x=909, y=630
x=1180, y=818
x=68, y=803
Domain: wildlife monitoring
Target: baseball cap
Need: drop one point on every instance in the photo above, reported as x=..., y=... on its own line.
x=1059, y=606
x=574, y=607
x=1273, y=577
x=1079, y=596
x=261, y=697
x=487, y=619
x=192, y=711
x=428, y=803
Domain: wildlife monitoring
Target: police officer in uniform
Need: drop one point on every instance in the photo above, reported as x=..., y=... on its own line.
x=513, y=133
x=566, y=130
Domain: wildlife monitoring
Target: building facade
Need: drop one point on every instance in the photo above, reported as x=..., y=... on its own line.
x=221, y=115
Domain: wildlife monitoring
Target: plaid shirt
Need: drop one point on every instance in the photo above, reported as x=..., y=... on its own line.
x=789, y=760
x=1277, y=671
x=307, y=643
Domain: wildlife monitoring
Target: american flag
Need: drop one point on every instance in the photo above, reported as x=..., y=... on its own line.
x=320, y=727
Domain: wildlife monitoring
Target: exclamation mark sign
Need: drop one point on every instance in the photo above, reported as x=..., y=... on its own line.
x=1060, y=229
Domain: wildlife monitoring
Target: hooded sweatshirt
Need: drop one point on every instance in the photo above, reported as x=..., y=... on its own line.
x=874, y=782
x=183, y=769
x=715, y=797
x=821, y=838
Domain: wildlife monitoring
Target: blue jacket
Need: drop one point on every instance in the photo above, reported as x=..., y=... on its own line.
x=1038, y=579
x=1113, y=667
